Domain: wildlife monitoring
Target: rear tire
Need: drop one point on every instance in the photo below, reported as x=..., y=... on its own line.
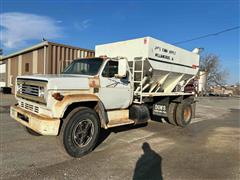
x=172, y=113
x=80, y=131
x=183, y=114
x=32, y=132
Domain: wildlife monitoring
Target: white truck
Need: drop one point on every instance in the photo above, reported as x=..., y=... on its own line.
x=128, y=82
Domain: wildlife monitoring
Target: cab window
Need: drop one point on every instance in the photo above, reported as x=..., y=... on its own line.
x=110, y=69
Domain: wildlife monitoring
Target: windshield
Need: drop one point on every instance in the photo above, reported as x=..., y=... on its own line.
x=84, y=66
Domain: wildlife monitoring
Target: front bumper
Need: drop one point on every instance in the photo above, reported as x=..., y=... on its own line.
x=41, y=124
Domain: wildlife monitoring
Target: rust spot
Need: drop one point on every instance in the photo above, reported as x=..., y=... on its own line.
x=94, y=82
x=57, y=96
x=61, y=106
x=76, y=98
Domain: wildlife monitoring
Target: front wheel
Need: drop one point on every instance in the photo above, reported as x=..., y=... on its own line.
x=80, y=131
x=32, y=132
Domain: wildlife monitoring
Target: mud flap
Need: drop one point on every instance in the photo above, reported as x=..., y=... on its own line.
x=161, y=108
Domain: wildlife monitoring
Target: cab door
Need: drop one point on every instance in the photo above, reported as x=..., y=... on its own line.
x=115, y=93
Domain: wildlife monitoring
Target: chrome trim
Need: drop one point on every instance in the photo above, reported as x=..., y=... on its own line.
x=31, y=90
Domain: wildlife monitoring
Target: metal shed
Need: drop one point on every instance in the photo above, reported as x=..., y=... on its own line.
x=43, y=58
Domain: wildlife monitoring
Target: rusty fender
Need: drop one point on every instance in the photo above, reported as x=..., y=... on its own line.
x=61, y=106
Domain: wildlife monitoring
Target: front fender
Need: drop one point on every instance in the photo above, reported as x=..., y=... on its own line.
x=60, y=107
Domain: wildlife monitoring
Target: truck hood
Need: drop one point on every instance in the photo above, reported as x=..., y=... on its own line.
x=61, y=81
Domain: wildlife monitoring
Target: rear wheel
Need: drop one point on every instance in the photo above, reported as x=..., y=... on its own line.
x=183, y=114
x=172, y=113
x=32, y=132
x=80, y=131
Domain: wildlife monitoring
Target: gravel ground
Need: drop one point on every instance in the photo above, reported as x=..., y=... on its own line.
x=206, y=149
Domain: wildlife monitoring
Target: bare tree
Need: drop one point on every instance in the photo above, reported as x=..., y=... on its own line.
x=210, y=63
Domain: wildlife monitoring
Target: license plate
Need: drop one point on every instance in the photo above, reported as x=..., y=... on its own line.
x=23, y=117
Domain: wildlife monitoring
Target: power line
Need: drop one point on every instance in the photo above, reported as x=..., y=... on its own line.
x=207, y=35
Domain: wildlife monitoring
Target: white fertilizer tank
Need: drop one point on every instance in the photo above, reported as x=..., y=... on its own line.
x=169, y=66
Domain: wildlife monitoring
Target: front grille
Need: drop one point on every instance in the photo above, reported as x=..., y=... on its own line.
x=29, y=107
x=28, y=89
x=32, y=90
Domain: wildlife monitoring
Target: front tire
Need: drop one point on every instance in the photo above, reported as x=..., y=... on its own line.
x=32, y=132
x=80, y=131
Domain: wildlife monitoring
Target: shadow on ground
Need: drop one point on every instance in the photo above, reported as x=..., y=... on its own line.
x=4, y=109
x=149, y=165
x=104, y=133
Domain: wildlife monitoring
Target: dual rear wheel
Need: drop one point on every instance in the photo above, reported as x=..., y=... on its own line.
x=180, y=114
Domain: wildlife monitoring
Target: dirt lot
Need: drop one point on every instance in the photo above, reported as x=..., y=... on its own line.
x=207, y=149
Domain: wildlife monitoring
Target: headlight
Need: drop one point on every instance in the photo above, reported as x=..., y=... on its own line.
x=41, y=92
x=19, y=87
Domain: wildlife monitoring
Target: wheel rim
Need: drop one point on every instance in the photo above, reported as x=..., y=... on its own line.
x=83, y=133
x=187, y=114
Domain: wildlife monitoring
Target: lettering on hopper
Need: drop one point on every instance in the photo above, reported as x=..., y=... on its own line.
x=167, y=53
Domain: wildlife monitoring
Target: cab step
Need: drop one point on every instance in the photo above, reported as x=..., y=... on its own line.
x=119, y=122
x=118, y=118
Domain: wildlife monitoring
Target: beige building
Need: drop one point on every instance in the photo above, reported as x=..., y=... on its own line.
x=43, y=58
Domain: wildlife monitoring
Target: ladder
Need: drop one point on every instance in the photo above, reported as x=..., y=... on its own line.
x=137, y=83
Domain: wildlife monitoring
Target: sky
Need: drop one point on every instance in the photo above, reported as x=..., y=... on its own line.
x=89, y=23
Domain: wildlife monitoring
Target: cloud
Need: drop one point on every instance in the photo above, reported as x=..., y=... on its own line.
x=82, y=25
x=18, y=28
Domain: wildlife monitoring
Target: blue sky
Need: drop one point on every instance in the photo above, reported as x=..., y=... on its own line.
x=87, y=23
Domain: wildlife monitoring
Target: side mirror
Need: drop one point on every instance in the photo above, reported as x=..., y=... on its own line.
x=122, y=68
